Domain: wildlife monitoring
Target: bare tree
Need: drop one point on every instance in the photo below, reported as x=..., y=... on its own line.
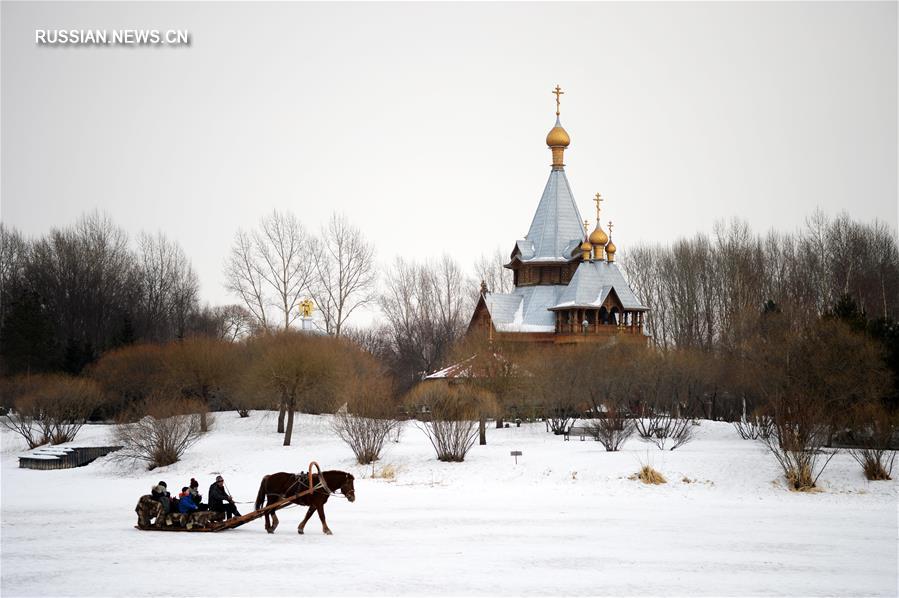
x=84, y=276
x=234, y=322
x=426, y=308
x=344, y=274
x=271, y=269
x=13, y=260
x=169, y=289
x=244, y=278
x=490, y=270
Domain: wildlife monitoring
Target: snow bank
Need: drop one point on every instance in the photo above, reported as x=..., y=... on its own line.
x=565, y=520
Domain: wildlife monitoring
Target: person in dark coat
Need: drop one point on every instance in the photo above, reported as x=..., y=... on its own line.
x=196, y=496
x=219, y=499
x=185, y=504
x=161, y=493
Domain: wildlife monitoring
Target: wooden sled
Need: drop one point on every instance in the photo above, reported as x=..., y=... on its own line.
x=218, y=526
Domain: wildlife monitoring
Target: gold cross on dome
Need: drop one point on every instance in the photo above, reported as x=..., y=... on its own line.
x=558, y=91
x=597, y=199
x=610, y=229
x=586, y=226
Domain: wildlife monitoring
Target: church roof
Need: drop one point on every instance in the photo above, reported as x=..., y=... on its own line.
x=591, y=284
x=556, y=224
x=524, y=309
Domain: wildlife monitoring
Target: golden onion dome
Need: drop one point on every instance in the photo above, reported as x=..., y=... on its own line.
x=599, y=236
x=557, y=136
x=610, y=248
x=586, y=246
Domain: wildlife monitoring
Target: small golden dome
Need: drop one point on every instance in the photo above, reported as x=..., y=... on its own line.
x=610, y=248
x=599, y=236
x=558, y=137
x=586, y=246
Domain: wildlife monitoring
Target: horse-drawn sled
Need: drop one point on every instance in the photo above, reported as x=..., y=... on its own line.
x=279, y=490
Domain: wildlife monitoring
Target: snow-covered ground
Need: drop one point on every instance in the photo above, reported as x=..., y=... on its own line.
x=565, y=520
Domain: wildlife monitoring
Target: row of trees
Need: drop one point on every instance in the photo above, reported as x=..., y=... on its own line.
x=700, y=291
x=72, y=295
x=78, y=292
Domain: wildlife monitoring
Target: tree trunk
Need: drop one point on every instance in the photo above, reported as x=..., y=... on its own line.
x=281, y=411
x=289, y=432
x=204, y=425
x=482, y=430
x=499, y=422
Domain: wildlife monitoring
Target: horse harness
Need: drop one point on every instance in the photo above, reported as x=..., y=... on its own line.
x=301, y=480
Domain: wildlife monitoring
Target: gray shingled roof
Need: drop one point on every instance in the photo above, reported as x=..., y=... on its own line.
x=556, y=223
x=591, y=284
x=525, y=309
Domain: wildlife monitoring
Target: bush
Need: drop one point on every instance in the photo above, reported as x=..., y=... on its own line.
x=873, y=433
x=369, y=413
x=662, y=426
x=755, y=426
x=364, y=435
x=160, y=430
x=452, y=423
x=613, y=429
x=796, y=439
x=50, y=407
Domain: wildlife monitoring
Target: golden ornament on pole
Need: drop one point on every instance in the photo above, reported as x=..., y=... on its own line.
x=306, y=307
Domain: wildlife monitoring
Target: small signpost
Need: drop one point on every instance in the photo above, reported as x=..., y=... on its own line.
x=516, y=454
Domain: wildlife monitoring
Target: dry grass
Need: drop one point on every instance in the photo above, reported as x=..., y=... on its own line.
x=648, y=475
x=799, y=479
x=385, y=472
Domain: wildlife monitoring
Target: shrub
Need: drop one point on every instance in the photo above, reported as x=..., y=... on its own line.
x=364, y=435
x=662, y=426
x=452, y=424
x=613, y=429
x=160, y=430
x=369, y=413
x=796, y=440
x=755, y=426
x=50, y=407
x=873, y=428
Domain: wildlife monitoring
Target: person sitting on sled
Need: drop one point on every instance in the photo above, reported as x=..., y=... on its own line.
x=219, y=499
x=196, y=496
x=185, y=503
x=160, y=493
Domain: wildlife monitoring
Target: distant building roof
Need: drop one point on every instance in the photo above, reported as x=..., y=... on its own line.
x=524, y=309
x=591, y=284
x=556, y=224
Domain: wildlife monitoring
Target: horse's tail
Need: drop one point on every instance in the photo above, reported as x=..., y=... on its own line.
x=260, y=498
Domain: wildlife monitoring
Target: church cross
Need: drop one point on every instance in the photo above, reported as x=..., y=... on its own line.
x=558, y=91
x=597, y=199
x=586, y=226
x=610, y=229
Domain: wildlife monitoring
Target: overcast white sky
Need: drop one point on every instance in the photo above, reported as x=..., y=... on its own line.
x=425, y=123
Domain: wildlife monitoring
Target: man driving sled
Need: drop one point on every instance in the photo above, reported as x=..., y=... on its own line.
x=220, y=501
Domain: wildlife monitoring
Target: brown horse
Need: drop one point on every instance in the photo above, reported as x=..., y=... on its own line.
x=281, y=485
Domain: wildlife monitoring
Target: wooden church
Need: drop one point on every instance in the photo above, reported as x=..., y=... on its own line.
x=568, y=288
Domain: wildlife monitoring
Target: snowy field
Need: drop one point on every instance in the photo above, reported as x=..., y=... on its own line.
x=565, y=521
